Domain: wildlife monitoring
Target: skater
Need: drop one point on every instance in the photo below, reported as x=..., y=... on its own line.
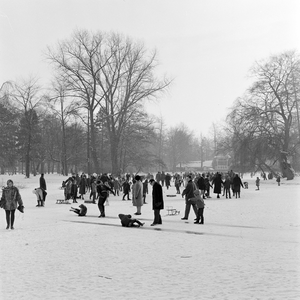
x=81, y=211
x=137, y=194
x=74, y=189
x=82, y=186
x=217, y=182
x=177, y=185
x=157, y=201
x=103, y=191
x=237, y=183
x=145, y=190
x=126, y=189
x=93, y=190
x=43, y=186
x=227, y=184
x=127, y=221
x=200, y=205
x=188, y=192
x=278, y=180
x=257, y=182
x=10, y=201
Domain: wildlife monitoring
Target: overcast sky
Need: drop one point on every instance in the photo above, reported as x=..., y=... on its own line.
x=207, y=46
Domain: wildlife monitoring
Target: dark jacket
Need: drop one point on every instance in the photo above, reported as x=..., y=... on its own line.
x=217, y=182
x=125, y=219
x=201, y=183
x=43, y=183
x=189, y=190
x=157, y=196
x=237, y=183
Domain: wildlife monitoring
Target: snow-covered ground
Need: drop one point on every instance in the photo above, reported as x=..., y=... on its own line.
x=248, y=248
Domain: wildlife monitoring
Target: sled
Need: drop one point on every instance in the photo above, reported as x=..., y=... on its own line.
x=88, y=201
x=172, y=211
x=62, y=201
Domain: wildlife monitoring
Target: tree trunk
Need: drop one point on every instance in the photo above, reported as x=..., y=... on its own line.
x=93, y=144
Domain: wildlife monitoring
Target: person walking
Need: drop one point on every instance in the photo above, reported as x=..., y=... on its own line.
x=137, y=195
x=10, y=201
x=126, y=189
x=157, y=201
x=188, y=192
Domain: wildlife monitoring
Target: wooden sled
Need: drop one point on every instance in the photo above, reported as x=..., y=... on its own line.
x=172, y=211
x=62, y=201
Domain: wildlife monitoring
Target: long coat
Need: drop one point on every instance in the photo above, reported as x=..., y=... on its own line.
x=137, y=194
x=217, y=182
x=237, y=183
x=157, y=196
x=82, y=185
x=11, y=198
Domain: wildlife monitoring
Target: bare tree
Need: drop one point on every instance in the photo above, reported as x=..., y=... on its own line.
x=268, y=111
x=26, y=98
x=79, y=60
x=126, y=80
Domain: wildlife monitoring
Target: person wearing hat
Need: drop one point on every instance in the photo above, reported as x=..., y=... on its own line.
x=157, y=201
x=10, y=201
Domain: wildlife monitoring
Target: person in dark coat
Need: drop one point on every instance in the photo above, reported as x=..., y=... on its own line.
x=201, y=185
x=10, y=201
x=103, y=190
x=237, y=183
x=227, y=184
x=157, y=201
x=82, y=186
x=188, y=192
x=74, y=190
x=127, y=221
x=43, y=186
x=218, y=182
x=168, y=180
x=126, y=189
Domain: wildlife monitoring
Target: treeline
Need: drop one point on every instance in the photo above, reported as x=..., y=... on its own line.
x=91, y=117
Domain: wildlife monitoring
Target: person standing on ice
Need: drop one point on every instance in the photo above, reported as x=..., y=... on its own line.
x=82, y=186
x=137, y=195
x=257, y=182
x=157, y=201
x=103, y=191
x=188, y=192
x=217, y=183
x=43, y=186
x=10, y=200
x=237, y=183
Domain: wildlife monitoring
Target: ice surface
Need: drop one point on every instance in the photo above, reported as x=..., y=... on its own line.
x=248, y=248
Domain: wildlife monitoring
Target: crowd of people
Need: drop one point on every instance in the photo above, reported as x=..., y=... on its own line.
x=196, y=187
